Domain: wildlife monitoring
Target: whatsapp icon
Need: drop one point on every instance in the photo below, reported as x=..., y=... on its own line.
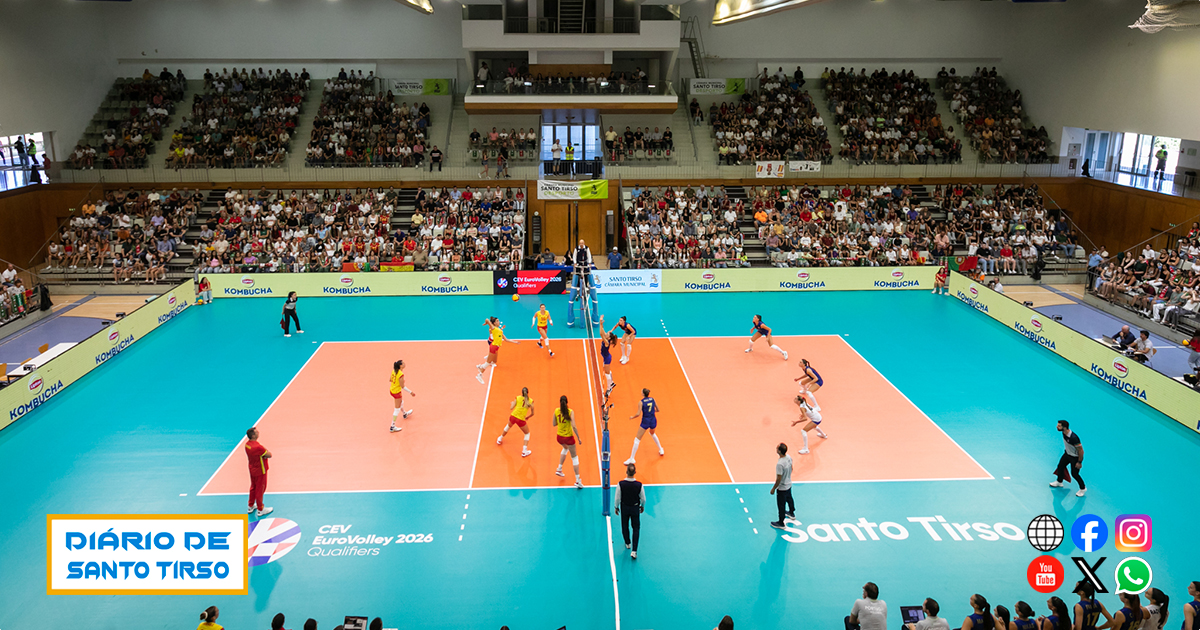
x=1133, y=575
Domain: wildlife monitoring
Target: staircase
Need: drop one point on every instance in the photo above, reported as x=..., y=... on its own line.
x=406, y=205
x=304, y=126
x=570, y=16
x=755, y=248
x=822, y=105
x=695, y=44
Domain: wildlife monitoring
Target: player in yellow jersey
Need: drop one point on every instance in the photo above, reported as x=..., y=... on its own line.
x=495, y=338
x=522, y=410
x=568, y=436
x=397, y=390
x=541, y=320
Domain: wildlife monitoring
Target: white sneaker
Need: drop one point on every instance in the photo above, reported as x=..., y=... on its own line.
x=749, y=349
x=785, y=356
x=630, y=461
x=526, y=453
x=299, y=332
x=559, y=472
x=500, y=441
x=250, y=510
x=265, y=511
x=633, y=554
x=1056, y=484
x=661, y=452
x=395, y=429
x=479, y=377
x=1081, y=492
x=409, y=412
x=579, y=484
x=624, y=360
x=286, y=335
x=803, y=451
x=628, y=546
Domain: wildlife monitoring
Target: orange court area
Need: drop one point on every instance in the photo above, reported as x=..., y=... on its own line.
x=875, y=432
x=328, y=430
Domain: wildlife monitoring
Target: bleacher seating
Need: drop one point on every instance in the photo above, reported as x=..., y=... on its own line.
x=356, y=126
x=888, y=119
x=688, y=227
x=245, y=120
x=634, y=144
x=516, y=145
x=777, y=122
x=132, y=117
x=993, y=116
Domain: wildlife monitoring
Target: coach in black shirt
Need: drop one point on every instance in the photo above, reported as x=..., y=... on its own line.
x=631, y=502
x=1071, y=460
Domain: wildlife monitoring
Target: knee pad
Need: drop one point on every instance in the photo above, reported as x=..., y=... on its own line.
x=574, y=461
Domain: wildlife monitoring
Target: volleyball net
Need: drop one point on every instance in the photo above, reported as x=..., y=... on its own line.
x=585, y=295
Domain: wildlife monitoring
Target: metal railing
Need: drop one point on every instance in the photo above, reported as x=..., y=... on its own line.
x=551, y=25
x=577, y=85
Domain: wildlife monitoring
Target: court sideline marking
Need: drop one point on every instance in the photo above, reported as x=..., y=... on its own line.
x=264, y=414
x=482, y=418
x=701, y=408
x=612, y=561
x=922, y=411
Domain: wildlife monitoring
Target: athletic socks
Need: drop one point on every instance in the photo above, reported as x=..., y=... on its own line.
x=657, y=443
x=750, y=348
x=636, y=443
x=779, y=350
x=820, y=432
x=804, y=434
x=608, y=377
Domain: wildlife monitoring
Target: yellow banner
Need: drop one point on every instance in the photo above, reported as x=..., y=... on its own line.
x=33, y=390
x=278, y=285
x=1157, y=390
x=797, y=279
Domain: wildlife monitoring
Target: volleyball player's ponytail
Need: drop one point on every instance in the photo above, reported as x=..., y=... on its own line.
x=209, y=614
x=805, y=362
x=563, y=408
x=1003, y=615
x=1061, y=611
x=1024, y=610
x=1157, y=596
x=396, y=365
x=985, y=608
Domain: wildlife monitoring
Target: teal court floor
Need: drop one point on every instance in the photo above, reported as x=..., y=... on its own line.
x=147, y=431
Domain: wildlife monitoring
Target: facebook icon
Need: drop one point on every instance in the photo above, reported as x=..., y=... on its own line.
x=1089, y=533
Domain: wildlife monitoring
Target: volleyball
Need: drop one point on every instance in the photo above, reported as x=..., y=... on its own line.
x=516, y=297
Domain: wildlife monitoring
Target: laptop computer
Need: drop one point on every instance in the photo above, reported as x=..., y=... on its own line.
x=355, y=623
x=911, y=614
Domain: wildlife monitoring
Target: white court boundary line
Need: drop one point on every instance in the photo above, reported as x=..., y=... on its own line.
x=482, y=418
x=701, y=408
x=596, y=436
x=264, y=414
x=921, y=411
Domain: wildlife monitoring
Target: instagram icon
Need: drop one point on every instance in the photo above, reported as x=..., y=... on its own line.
x=1135, y=532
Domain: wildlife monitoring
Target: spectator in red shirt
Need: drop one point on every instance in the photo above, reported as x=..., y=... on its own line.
x=257, y=455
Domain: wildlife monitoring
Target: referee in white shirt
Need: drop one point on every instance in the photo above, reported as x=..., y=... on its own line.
x=631, y=502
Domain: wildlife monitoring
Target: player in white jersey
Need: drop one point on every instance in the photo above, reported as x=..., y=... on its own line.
x=810, y=411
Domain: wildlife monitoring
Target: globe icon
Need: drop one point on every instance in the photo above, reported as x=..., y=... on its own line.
x=1045, y=533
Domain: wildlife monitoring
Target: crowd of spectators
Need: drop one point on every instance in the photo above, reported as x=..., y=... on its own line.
x=335, y=230
x=629, y=143
x=1162, y=285
x=514, y=80
x=684, y=228
x=127, y=140
x=241, y=119
x=14, y=297
x=357, y=126
x=136, y=233
x=779, y=121
x=993, y=117
x=888, y=118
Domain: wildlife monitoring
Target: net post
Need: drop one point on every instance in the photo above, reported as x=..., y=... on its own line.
x=605, y=456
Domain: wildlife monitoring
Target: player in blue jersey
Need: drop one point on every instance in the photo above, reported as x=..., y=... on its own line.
x=810, y=380
x=648, y=410
x=1191, y=610
x=1088, y=609
x=1130, y=616
x=1060, y=617
x=762, y=330
x=630, y=333
x=607, y=340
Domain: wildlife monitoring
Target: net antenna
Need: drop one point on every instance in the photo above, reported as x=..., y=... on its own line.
x=1162, y=14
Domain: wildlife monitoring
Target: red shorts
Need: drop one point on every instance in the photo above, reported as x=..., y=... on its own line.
x=566, y=441
x=515, y=420
x=399, y=396
x=493, y=349
x=542, y=330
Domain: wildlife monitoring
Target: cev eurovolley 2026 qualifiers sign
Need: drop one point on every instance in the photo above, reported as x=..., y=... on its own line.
x=119, y=554
x=1111, y=366
x=35, y=389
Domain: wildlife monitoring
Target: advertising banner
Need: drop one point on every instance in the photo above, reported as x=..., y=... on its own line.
x=801, y=166
x=717, y=86
x=277, y=285
x=431, y=87
x=1111, y=366
x=771, y=169
x=546, y=281
x=798, y=279
x=584, y=189
x=31, y=391
x=105, y=554
x=627, y=280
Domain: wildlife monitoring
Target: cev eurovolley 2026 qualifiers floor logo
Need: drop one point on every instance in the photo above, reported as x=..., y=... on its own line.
x=271, y=539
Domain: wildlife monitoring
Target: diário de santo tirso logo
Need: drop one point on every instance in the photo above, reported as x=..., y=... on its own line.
x=270, y=539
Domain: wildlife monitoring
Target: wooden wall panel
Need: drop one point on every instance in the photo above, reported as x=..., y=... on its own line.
x=591, y=226
x=29, y=216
